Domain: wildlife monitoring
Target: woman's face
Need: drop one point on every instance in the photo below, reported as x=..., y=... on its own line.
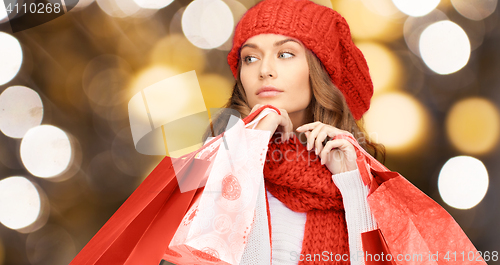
x=279, y=62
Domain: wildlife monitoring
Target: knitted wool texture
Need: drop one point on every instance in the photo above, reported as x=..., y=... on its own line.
x=296, y=177
x=323, y=31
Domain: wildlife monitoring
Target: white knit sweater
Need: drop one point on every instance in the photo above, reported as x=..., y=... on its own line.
x=288, y=226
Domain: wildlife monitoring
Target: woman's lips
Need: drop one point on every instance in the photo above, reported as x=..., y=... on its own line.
x=269, y=93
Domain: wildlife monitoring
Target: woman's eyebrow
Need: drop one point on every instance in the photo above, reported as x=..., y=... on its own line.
x=276, y=44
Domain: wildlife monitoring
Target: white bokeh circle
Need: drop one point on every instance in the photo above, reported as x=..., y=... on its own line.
x=21, y=109
x=463, y=182
x=207, y=24
x=11, y=57
x=153, y=4
x=19, y=202
x=46, y=151
x=444, y=47
x=416, y=8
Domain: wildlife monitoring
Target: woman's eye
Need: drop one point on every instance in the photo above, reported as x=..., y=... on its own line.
x=246, y=59
x=288, y=53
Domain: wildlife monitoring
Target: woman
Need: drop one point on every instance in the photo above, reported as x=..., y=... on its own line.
x=299, y=57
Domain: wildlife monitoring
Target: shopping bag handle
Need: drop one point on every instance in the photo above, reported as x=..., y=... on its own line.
x=366, y=162
x=250, y=118
x=261, y=115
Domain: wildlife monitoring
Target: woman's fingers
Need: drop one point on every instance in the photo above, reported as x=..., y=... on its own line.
x=287, y=124
x=273, y=122
x=315, y=129
x=319, y=132
x=339, y=155
x=320, y=138
x=257, y=106
x=344, y=151
x=307, y=129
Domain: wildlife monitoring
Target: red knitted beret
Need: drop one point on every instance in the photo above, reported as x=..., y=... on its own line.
x=323, y=31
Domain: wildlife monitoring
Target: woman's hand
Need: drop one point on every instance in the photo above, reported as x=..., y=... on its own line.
x=274, y=121
x=338, y=155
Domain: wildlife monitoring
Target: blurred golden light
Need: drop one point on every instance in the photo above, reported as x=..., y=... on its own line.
x=154, y=111
x=416, y=8
x=385, y=8
x=176, y=52
x=45, y=151
x=396, y=120
x=444, y=47
x=475, y=30
x=167, y=101
x=473, y=125
x=216, y=90
x=175, y=25
x=111, y=8
x=149, y=76
x=105, y=78
x=51, y=243
x=207, y=24
x=101, y=63
x=365, y=24
x=463, y=182
x=475, y=10
x=21, y=109
x=107, y=87
x=118, y=8
x=414, y=26
x=385, y=67
x=19, y=202
x=129, y=7
x=326, y=3
x=11, y=56
x=153, y=4
x=82, y=4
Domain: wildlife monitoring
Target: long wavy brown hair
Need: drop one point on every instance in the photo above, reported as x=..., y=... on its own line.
x=327, y=105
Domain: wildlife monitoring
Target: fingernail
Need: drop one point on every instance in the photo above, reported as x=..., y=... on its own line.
x=322, y=162
x=308, y=146
x=316, y=151
x=299, y=128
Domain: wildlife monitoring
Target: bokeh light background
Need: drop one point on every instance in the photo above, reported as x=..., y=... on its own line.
x=67, y=157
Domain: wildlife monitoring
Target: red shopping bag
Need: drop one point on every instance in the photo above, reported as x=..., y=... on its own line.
x=116, y=241
x=416, y=229
x=140, y=231
x=375, y=248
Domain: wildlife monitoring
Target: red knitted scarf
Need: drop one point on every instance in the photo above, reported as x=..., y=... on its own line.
x=296, y=178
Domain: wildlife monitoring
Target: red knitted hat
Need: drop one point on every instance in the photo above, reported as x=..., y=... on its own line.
x=323, y=31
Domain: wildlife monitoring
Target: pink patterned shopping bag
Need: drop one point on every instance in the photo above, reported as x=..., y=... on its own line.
x=216, y=228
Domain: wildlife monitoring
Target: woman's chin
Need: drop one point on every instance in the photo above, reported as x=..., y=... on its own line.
x=271, y=101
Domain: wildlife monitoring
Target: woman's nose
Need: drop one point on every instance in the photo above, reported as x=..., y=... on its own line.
x=267, y=69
